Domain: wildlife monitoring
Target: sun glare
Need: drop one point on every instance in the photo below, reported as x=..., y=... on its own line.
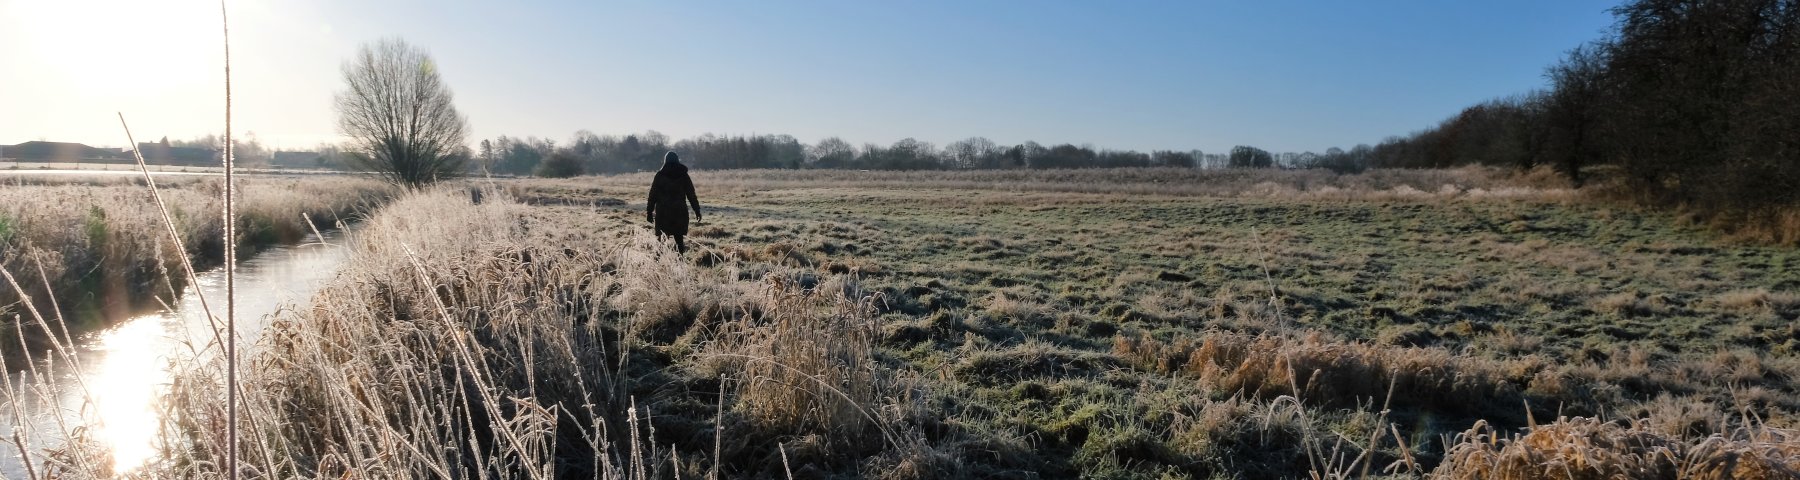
x=128, y=379
x=125, y=46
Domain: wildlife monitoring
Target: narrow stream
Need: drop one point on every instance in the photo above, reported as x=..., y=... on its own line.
x=126, y=368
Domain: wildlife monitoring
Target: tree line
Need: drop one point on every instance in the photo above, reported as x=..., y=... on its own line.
x=590, y=153
x=1693, y=104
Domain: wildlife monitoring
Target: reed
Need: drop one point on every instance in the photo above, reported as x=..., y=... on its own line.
x=460, y=345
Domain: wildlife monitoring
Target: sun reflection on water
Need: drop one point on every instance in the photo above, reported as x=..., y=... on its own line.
x=118, y=392
x=124, y=391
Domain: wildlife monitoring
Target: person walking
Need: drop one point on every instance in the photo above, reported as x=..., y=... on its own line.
x=667, y=191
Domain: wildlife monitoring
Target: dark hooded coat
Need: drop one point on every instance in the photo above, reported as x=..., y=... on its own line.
x=667, y=192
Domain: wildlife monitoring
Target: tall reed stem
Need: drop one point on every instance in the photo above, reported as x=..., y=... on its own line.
x=231, y=390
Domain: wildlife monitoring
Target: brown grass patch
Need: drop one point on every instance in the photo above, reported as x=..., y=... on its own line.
x=1585, y=448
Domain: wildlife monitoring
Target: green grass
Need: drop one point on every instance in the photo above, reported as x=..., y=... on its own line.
x=1477, y=275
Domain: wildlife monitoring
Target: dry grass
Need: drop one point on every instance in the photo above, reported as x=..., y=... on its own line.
x=805, y=364
x=1760, y=300
x=1052, y=331
x=1627, y=304
x=1017, y=306
x=1328, y=373
x=1585, y=448
x=1260, y=372
x=456, y=344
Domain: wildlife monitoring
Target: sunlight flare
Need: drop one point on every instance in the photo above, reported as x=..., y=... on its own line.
x=126, y=385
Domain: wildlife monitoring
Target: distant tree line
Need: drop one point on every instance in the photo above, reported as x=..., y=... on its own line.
x=590, y=153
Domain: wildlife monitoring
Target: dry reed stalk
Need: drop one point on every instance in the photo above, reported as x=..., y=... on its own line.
x=56, y=308
x=784, y=461
x=62, y=350
x=231, y=377
x=718, y=430
x=30, y=470
x=1405, y=452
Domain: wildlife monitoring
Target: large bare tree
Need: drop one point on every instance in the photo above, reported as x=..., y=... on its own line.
x=398, y=115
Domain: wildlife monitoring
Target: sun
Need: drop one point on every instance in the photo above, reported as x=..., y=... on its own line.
x=126, y=46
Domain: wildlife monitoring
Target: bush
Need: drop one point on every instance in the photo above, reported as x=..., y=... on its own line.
x=561, y=165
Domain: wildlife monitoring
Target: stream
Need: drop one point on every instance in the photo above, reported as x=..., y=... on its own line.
x=123, y=370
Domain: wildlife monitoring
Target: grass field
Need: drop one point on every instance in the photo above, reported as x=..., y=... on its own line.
x=1463, y=324
x=1048, y=307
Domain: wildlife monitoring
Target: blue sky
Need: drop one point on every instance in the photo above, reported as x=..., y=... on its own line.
x=1282, y=75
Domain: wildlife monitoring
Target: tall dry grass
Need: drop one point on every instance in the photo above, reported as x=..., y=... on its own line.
x=1586, y=448
x=455, y=344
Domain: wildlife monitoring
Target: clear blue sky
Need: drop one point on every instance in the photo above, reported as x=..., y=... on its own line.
x=1282, y=75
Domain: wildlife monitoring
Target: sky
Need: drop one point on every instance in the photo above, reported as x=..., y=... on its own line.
x=1282, y=75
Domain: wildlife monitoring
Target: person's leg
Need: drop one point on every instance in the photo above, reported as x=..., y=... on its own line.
x=680, y=246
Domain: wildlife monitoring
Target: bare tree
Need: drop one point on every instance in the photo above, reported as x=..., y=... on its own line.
x=1573, y=110
x=397, y=112
x=831, y=152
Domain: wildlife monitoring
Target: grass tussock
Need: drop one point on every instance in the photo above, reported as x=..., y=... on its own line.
x=806, y=360
x=1760, y=300
x=1586, y=448
x=1336, y=373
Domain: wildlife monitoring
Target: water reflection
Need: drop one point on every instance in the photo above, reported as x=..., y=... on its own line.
x=124, y=370
x=68, y=172
x=128, y=378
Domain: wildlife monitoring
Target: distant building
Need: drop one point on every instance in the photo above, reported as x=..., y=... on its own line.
x=39, y=151
x=160, y=153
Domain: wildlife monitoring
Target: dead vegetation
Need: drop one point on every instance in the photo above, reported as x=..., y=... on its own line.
x=1586, y=448
x=455, y=326
x=848, y=334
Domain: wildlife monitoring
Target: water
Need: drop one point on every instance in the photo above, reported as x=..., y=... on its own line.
x=123, y=370
x=103, y=172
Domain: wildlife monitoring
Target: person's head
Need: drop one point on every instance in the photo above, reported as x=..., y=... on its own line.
x=671, y=157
